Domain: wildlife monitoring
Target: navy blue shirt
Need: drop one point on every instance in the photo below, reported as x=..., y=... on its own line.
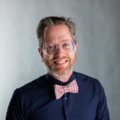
x=36, y=100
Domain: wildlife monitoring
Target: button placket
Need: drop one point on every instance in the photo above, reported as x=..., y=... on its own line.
x=65, y=98
x=64, y=105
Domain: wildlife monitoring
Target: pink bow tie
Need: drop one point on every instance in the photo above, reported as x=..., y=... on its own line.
x=60, y=90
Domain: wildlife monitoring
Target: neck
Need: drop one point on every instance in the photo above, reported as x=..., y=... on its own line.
x=63, y=79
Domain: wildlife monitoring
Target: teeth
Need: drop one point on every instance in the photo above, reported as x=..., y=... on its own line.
x=60, y=62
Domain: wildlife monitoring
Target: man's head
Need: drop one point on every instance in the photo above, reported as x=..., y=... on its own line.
x=52, y=21
x=57, y=44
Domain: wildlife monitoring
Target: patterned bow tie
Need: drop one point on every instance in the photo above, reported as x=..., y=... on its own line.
x=60, y=90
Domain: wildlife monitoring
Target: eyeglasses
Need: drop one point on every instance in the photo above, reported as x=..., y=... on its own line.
x=51, y=48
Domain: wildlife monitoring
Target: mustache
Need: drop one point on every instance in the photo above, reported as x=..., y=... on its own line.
x=56, y=59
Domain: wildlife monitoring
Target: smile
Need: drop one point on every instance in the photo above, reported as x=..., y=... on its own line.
x=60, y=62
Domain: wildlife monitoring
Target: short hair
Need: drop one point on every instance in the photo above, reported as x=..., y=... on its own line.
x=51, y=21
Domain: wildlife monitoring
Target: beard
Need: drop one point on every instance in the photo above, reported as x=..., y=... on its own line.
x=60, y=71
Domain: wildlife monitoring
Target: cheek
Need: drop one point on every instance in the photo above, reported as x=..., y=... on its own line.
x=47, y=57
x=71, y=55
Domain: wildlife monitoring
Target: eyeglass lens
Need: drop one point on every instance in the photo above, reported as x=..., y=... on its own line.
x=51, y=48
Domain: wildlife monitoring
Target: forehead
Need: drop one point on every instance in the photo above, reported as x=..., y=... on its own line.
x=57, y=33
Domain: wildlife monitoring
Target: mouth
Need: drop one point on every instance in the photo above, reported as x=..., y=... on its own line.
x=61, y=62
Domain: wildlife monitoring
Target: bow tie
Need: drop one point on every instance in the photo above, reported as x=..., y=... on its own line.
x=60, y=90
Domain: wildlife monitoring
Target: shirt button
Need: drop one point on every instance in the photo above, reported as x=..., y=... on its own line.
x=65, y=98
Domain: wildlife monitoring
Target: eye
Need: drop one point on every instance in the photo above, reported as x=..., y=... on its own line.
x=50, y=47
x=65, y=44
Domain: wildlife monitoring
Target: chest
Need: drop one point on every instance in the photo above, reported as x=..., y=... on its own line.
x=77, y=106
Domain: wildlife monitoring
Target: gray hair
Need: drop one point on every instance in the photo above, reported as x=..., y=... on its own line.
x=51, y=21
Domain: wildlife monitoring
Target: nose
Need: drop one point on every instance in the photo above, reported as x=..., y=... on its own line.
x=59, y=52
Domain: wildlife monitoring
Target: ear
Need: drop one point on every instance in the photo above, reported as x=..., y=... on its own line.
x=75, y=49
x=41, y=52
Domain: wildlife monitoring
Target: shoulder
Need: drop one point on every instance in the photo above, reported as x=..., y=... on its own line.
x=32, y=87
x=86, y=80
x=84, y=77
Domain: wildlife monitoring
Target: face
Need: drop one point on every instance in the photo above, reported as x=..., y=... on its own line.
x=59, y=64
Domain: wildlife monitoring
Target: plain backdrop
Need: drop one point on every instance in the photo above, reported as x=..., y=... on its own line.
x=98, y=37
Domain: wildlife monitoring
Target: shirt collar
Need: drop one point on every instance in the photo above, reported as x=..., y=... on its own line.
x=51, y=80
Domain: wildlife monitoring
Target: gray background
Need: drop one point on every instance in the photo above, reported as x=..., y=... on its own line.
x=98, y=37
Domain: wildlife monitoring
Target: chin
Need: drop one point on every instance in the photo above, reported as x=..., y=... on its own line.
x=59, y=75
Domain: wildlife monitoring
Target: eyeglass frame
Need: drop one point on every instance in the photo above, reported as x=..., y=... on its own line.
x=57, y=47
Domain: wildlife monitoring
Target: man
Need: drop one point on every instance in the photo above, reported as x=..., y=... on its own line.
x=61, y=94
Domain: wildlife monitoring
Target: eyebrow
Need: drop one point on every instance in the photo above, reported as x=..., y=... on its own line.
x=60, y=42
